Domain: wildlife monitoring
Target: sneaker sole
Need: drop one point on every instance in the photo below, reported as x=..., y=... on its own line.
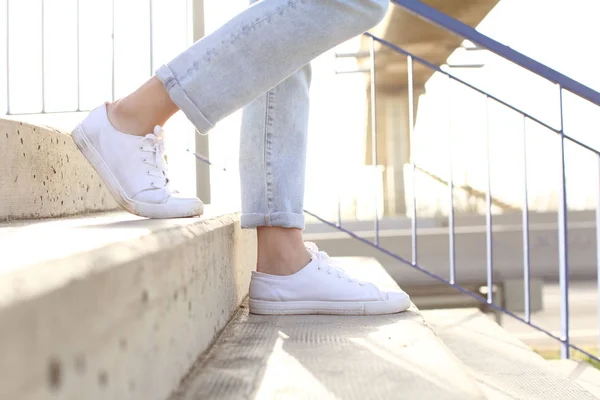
x=141, y=209
x=391, y=306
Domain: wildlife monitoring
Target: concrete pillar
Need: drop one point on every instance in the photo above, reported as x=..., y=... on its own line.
x=393, y=143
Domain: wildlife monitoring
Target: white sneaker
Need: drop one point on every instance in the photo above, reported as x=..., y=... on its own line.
x=133, y=168
x=321, y=288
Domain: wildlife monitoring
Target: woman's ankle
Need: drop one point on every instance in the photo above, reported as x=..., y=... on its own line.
x=138, y=113
x=281, y=251
x=124, y=120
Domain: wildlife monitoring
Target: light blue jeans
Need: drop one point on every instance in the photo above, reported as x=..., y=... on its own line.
x=260, y=59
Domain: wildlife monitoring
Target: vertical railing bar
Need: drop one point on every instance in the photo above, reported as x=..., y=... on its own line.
x=43, y=61
x=374, y=134
x=598, y=251
x=563, y=241
x=411, y=131
x=78, y=57
x=451, y=244
x=7, y=58
x=113, y=51
x=525, y=218
x=488, y=210
x=191, y=134
x=151, y=23
x=339, y=210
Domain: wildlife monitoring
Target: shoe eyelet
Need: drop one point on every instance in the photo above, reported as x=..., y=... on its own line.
x=148, y=172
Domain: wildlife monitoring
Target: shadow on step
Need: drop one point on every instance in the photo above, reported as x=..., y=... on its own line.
x=327, y=357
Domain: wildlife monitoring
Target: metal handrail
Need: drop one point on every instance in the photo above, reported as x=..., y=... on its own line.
x=564, y=83
x=453, y=25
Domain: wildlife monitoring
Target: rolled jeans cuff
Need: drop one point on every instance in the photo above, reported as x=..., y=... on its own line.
x=182, y=100
x=281, y=219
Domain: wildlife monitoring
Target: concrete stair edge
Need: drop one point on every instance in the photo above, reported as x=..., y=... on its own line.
x=124, y=320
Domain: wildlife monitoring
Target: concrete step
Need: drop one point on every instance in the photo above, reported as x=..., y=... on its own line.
x=112, y=306
x=327, y=357
x=43, y=175
x=504, y=367
x=581, y=372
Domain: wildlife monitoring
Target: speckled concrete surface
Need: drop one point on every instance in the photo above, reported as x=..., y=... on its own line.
x=114, y=306
x=43, y=175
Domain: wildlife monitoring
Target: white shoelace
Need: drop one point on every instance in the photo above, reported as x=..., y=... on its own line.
x=154, y=143
x=327, y=264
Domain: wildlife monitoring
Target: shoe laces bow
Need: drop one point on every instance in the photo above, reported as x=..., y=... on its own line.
x=327, y=264
x=154, y=143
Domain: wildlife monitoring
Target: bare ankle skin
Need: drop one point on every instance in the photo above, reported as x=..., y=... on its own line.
x=281, y=251
x=138, y=113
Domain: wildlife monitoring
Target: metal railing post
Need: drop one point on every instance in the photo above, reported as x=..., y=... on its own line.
x=201, y=141
x=43, y=64
x=451, y=222
x=525, y=219
x=78, y=56
x=374, y=134
x=113, y=51
x=411, y=135
x=489, y=242
x=598, y=251
x=563, y=259
x=151, y=33
x=7, y=57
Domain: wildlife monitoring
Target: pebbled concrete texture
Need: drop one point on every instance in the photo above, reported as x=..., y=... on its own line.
x=329, y=357
x=43, y=175
x=504, y=367
x=113, y=306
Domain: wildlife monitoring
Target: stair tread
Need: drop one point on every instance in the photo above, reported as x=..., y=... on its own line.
x=505, y=367
x=36, y=251
x=330, y=357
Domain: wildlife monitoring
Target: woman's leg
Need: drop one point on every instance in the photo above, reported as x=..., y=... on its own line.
x=272, y=171
x=257, y=50
x=263, y=50
x=252, y=53
x=291, y=277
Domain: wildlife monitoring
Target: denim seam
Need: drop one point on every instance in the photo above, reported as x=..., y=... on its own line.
x=268, y=150
x=246, y=29
x=183, y=101
x=170, y=83
x=265, y=157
